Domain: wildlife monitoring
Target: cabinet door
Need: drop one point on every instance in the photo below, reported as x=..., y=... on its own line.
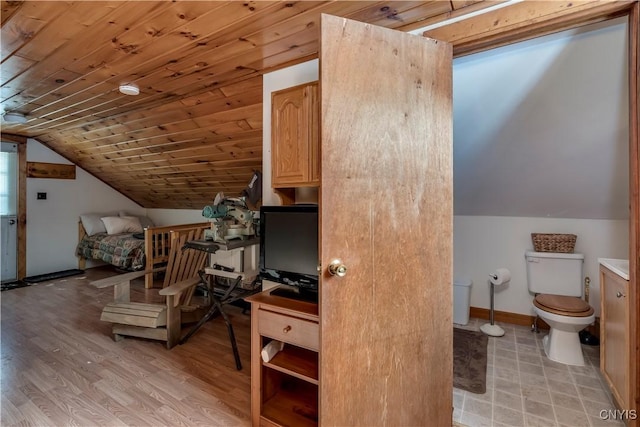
x=615, y=332
x=292, y=136
x=314, y=142
x=386, y=212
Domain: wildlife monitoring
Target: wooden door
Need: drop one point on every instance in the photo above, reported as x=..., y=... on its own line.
x=386, y=213
x=9, y=213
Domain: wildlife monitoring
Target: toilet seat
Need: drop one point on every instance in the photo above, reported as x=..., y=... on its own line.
x=563, y=305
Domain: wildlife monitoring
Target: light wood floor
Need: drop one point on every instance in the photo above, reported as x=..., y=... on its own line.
x=60, y=365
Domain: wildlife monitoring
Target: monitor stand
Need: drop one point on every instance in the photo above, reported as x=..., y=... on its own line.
x=299, y=294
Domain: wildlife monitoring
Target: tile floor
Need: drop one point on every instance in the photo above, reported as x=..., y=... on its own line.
x=524, y=388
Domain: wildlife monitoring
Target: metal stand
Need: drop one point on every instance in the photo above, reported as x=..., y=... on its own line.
x=226, y=298
x=226, y=293
x=490, y=328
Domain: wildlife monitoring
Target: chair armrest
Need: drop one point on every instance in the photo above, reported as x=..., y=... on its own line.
x=127, y=277
x=176, y=288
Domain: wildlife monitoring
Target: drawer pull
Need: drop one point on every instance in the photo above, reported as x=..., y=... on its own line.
x=619, y=294
x=286, y=329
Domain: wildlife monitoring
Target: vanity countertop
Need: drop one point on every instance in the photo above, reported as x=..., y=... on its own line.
x=618, y=266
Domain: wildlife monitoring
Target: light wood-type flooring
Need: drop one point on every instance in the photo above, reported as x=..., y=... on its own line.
x=61, y=367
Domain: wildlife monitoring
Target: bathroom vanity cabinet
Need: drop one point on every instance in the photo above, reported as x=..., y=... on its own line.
x=616, y=335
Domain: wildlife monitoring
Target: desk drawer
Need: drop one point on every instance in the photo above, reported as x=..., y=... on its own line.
x=288, y=329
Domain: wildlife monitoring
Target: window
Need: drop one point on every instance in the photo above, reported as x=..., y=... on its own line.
x=9, y=179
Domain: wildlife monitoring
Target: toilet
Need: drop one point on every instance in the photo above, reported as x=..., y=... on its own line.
x=556, y=279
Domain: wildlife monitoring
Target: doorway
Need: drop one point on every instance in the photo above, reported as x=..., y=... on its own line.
x=529, y=155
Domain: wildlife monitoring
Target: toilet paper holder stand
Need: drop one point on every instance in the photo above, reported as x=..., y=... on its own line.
x=490, y=328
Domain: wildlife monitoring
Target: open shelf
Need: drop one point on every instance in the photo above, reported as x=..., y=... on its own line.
x=284, y=389
x=293, y=403
x=296, y=361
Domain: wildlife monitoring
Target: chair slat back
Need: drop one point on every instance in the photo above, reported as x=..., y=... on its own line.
x=184, y=264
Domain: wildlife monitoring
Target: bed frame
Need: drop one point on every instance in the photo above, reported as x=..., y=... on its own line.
x=157, y=242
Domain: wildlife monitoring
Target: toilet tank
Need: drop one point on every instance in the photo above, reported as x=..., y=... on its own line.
x=554, y=273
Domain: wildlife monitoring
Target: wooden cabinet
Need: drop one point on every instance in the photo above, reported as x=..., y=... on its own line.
x=615, y=337
x=284, y=390
x=294, y=137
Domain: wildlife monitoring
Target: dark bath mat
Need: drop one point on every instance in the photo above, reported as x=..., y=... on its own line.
x=470, y=360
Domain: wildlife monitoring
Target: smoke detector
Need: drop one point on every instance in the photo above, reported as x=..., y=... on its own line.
x=14, y=117
x=129, y=89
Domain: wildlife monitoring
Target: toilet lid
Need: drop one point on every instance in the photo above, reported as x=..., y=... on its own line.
x=562, y=305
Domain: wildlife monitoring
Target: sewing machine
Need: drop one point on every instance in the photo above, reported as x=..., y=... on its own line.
x=231, y=219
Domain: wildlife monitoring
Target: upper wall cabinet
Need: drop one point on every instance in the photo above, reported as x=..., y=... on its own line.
x=294, y=137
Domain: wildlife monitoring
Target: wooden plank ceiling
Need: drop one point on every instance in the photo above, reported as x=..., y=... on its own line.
x=196, y=127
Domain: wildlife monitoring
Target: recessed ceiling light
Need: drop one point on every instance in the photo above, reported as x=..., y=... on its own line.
x=14, y=117
x=129, y=89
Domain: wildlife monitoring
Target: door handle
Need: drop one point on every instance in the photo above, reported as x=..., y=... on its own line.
x=12, y=221
x=619, y=294
x=337, y=268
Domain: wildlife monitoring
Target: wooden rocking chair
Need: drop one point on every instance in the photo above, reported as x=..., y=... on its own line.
x=158, y=321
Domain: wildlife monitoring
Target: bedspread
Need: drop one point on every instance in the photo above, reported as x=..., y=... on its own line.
x=121, y=250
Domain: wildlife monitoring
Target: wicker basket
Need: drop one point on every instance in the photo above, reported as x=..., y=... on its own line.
x=564, y=243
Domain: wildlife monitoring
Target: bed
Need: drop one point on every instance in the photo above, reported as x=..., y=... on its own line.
x=130, y=251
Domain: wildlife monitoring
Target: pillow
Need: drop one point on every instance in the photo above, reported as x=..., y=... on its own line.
x=145, y=221
x=92, y=224
x=118, y=225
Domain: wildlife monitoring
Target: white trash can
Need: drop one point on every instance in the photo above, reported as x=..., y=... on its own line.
x=461, y=301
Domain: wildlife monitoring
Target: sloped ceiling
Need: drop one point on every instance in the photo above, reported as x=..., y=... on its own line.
x=541, y=127
x=196, y=127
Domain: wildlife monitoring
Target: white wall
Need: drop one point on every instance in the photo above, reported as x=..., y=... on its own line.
x=483, y=243
x=277, y=80
x=52, y=224
x=541, y=127
x=175, y=216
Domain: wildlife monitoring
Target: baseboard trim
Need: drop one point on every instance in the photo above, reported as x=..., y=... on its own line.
x=522, y=319
x=506, y=317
